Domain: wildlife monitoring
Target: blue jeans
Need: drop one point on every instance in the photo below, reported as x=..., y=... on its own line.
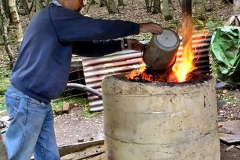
x=31, y=129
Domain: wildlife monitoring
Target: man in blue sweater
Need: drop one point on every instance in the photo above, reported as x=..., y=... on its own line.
x=42, y=68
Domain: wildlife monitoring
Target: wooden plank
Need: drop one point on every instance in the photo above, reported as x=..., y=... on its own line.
x=230, y=131
x=67, y=149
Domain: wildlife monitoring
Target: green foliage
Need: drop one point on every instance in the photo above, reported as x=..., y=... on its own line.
x=2, y=107
x=4, y=82
x=211, y=25
x=57, y=104
x=209, y=22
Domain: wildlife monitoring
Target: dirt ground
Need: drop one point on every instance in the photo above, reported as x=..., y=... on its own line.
x=74, y=127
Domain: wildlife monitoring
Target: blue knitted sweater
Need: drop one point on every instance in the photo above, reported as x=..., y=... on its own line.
x=54, y=34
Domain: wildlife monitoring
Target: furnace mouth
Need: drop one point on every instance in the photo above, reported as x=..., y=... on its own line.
x=164, y=79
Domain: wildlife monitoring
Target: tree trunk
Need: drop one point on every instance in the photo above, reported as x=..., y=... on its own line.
x=166, y=10
x=15, y=20
x=148, y=5
x=39, y=5
x=101, y=3
x=111, y=6
x=156, y=7
x=6, y=8
x=25, y=7
x=120, y=3
x=88, y=4
x=3, y=29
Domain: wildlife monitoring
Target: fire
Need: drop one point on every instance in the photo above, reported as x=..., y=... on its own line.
x=181, y=69
x=183, y=66
x=140, y=73
x=186, y=65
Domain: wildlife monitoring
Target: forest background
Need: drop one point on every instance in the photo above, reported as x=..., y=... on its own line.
x=16, y=14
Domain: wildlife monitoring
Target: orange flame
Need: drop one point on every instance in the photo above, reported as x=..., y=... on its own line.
x=139, y=73
x=186, y=65
x=183, y=66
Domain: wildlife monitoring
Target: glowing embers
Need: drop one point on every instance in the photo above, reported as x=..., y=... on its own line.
x=147, y=75
x=188, y=56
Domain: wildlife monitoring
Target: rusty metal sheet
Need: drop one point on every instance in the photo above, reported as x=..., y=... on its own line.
x=97, y=68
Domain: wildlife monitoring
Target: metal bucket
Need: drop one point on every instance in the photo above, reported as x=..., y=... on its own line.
x=159, y=54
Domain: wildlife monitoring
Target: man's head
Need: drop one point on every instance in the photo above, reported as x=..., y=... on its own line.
x=75, y=5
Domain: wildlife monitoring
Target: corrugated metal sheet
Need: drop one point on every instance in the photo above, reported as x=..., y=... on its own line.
x=95, y=69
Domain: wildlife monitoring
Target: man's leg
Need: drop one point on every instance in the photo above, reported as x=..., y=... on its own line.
x=46, y=147
x=27, y=117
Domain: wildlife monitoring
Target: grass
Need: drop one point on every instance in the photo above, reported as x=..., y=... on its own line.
x=75, y=100
x=4, y=82
x=78, y=101
x=86, y=112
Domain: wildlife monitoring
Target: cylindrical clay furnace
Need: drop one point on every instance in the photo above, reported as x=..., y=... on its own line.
x=160, y=121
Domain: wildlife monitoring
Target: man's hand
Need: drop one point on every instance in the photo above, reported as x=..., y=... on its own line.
x=134, y=44
x=150, y=28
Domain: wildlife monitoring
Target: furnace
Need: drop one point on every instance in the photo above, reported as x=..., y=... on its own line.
x=160, y=120
x=170, y=115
